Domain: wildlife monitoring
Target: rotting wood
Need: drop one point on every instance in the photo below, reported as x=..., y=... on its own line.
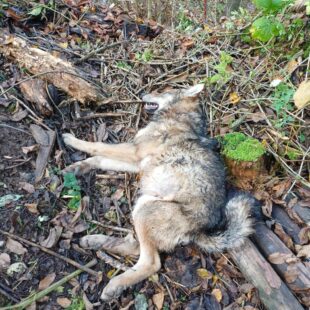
x=35, y=91
x=50, y=68
x=46, y=140
x=283, y=260
x=273, y=292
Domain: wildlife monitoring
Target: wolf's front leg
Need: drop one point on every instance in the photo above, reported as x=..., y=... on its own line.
x=100, y=162
x=122, y=151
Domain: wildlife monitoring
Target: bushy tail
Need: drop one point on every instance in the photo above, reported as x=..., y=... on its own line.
x=239, y=225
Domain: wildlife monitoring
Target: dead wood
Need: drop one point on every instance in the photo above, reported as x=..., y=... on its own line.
x=302, y=212
x=48, y=67
x=285, y=263
x=46, y=140
x=291, y=228
x=35, y=91
x=272, y=290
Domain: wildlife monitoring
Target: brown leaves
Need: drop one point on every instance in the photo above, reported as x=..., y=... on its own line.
x=15, y=247
x=158, y=300
x=302, y=95
x=52, y=238
x=63, y=302
x=279, y=258
x=5, y=261
x=47, y=281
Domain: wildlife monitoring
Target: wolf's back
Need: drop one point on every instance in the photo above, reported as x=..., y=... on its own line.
x=239, y=213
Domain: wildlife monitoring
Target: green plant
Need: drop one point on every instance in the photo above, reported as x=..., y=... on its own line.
x=271, y=5
x=238, y=146
x=77, y=303
x=282, y=102
x=185, y=24
x=123, y=65
x=146, y=56
x=266, y=28
x=71, y=190
x=222, y=74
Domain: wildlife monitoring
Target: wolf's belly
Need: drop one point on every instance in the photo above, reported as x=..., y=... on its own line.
x=161, y=182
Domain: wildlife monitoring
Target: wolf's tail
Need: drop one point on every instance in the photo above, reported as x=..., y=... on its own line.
x=240, y=217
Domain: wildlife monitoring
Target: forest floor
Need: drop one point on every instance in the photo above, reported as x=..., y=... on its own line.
x=250, y=89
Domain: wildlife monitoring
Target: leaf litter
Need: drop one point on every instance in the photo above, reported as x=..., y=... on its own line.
x=126, y=57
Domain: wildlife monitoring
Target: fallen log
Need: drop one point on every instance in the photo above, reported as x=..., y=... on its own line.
x=273, y=292
x=285, y=263
x=50, y=68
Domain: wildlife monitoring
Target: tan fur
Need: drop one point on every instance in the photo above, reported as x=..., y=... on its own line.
x=182, y=185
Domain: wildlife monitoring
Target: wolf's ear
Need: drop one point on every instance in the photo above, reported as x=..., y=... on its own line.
x=193, y=91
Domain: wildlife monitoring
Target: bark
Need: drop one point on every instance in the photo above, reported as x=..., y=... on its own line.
x=49, y=68
x=272, y=290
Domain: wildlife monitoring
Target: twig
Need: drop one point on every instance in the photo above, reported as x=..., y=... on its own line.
x=8, y=296
x=111, y=261
x=18, y=129
x=48, y=251
x=31, y=299
x=107, y=114
x=98, y=50
x=121, y=229
x=109, y=176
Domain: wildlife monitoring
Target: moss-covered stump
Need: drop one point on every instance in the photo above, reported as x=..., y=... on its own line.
x=244, y=158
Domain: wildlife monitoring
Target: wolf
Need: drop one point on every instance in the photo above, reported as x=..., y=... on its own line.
x=183, y=195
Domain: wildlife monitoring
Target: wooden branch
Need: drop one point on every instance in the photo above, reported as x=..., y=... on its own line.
x=285, y=263
x=49, y=68
x=273, y=293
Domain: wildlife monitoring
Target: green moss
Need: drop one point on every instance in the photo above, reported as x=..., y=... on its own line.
x=237, y=146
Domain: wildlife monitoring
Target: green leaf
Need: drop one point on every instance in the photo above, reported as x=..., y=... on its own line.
x=70, y=181
x=36, y=11
x=265, y=28
x=4, y=200
x=141, y=302
x=271, y=5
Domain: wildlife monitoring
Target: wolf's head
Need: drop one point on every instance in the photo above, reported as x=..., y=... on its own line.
x=163, y=101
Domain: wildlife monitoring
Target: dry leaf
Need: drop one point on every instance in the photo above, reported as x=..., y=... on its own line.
x=53, y=237
x=304, y=251
x=47, y=281
x=5, y=261
x=29, y=188
x=204, y=273
x=15, y=247
x=291, y=274
x=32, y=207
x=63, y=302
x=234, y=98
x=291, y=66
x=304, y=235
x=287, y=240
x=88, y=305
x=302, y=95
x=158, y=300
x=33, y=306
x=28, y=149
x=278, y=258
x=217, y=294
x=119, y=193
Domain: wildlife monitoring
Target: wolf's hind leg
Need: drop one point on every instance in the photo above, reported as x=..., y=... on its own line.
x=122, y=246
x=99, y=162
x=159, y=226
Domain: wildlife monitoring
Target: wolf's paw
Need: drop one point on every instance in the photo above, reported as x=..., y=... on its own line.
x=112, y=290
x=69, y=139
x=91, y=242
